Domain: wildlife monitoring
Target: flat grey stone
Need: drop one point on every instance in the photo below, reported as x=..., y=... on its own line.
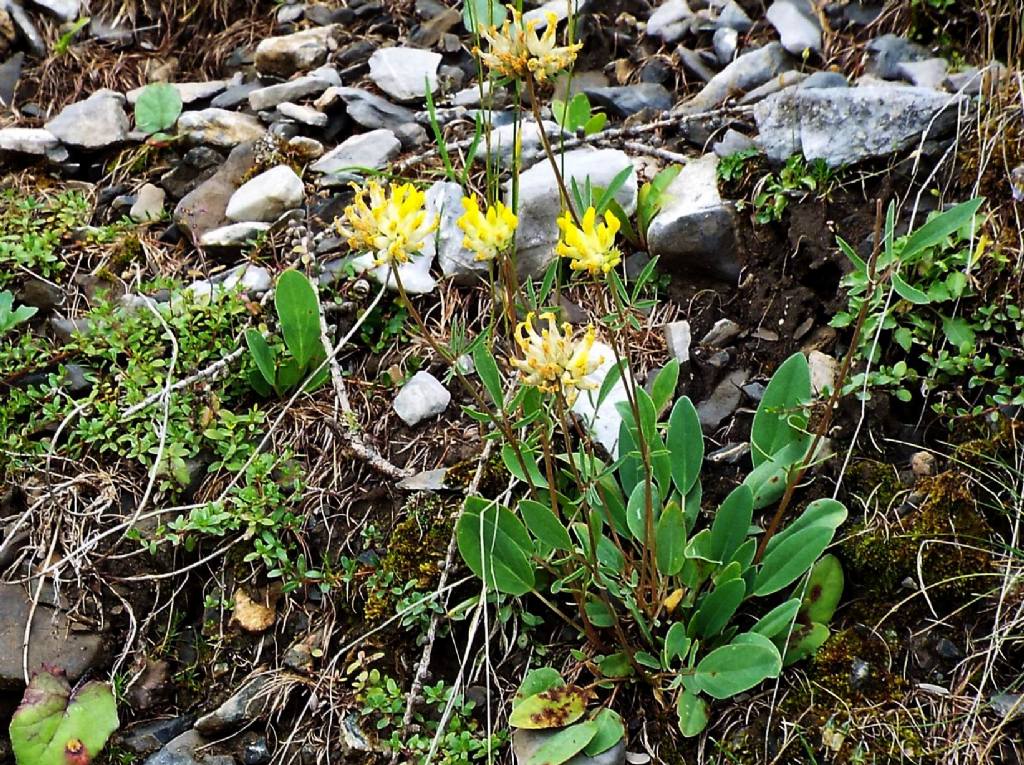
x=267, y=196
x=249, y=702
x=37, y=141
x=190, y=92
x=285, y=55
x=723, y=401
x=220, y=127
x=422, y=397
x=368, y=109
x=65, y=10
x=149, y=204
x=797, y=25
x=95, y=123
x=721, y=333
x=312, y=84
x=371, y=150
x=671, y=21
x=930, y=73
x=233, y=235
x=625, y=100
x=887, y=52
x=748, y=71
x=405, y=74
x=678, y=338
x=307, y=115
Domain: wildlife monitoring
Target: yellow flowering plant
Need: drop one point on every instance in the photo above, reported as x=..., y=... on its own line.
x=487, y=234
x=392, y=224
x=590, y=246
x=554, y=360
x=517, y=51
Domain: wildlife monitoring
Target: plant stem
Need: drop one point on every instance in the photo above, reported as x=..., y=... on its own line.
x=535, y=106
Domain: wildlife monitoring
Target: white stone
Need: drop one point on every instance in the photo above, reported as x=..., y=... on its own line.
x=149, y=204
x=312, y=84
x=233, y=234
x=721, y=332
x=95, y=123
x=267, y=196
x=444, y=200
x=422, y=397
x=366, y=150
x=189, y=91
x=251, y=279
x=285, y=55
x=797, y=25
x=307, y=115
x=540, y=201
x=220, y=127
x=560, y=9
x=823, y=371
x=602, y=422
x=405, y=73
x=677, y=337
x=65, y=10
x=531, y=148
x=671, y=21
x=28, y=140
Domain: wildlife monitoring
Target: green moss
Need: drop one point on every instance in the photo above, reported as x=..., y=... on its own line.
x=946, y=532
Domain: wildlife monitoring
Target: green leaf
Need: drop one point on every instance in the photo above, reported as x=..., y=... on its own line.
x=736, y=668
x=732, y=522
x=610, y=731
x=298, y=309
x=685, y=442
x=824, y=512
x=54, y=725
x=824, y=590
x=636, y=510
x=779, y=420
x=157, y=108
x=495, y=546
x=791, y=558
x=485, y=12
x=564, y=744
x=664, y=386
x=670, y=539
x=579, y=111
x=778, y=619
x=767, y=481
x=851, y=253
x=487, y=369
x=717, y=609
x=615, y=665
x=805, y=642
x=598, y=613
x=907, y=292
x=537, y=681
x=693, y=714
x=595, y=124
x=544, y=525
x=515, y=463
x=677, y=643
x=959, y=332
x=613, y=188
x=553, y=708
x=262, y=356
x=939, y=227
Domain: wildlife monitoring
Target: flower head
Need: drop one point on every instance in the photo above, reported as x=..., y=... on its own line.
x=553, y=360
x=517, y=51
x=487, y=234
x=393, y=228
x=590, y=246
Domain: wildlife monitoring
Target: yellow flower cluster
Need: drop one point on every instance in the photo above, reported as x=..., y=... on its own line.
x=554, y=360
x=393, y=227
x=487, y=234
x=516, y=50
x=591, y=246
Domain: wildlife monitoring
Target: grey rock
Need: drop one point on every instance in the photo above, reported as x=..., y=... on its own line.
x=267, y=196
x=726, y=40
x=525, y=744
x=307, y=115
x=111, y=31
x=250, y=702
x=625, y=100
x=26, y=28
x=732, y=15
x=540, y=202
x=733, y=142
x=312, y=84
x=721, y=333
x=95, y=123
x=754, y=391
x=256, y=751
x=411, y=135
x=929, y=73
x=748, y=71
x=860, y=673
x=235, y=95
x=847, y=125
x=40, y=294
x=677, y=337
x=198, y=164
x=723, y=400
x=285, y=55
x=53, y=639
x=181, y=750
x=694, y=62
x=695, y=230
x=671, y=21
x=502, y=142
x=203, y=208
x=825, y=80
x=250, y=278
x=373, y=150
x=444, y=199
x=10, y=73
x=65, y=329
x=797, y=25
x=823, y=370
x=149, y=204
x=1009, y=706
x=306, y=148
x=220, y=127
x=368, y=109
x=405, y=74
x=147, y=737
x=36, y=141
x=233, y=235
x=774, y=85
x=887, y=52
x=422, y=397
x=560, y=9
x=190, y=92
x=602, y=418
x=65, y=10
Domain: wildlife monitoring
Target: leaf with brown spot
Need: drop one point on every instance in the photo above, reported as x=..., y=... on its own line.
x=554, y=708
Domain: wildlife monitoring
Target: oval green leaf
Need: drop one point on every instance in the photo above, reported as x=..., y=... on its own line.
x=685, y=442
x=564, y=744
x=735, y=668
x=693, y=714
x=553, y=708
x=790, y=559
x=542, y=523
x=495, y=546
x=298, y=309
